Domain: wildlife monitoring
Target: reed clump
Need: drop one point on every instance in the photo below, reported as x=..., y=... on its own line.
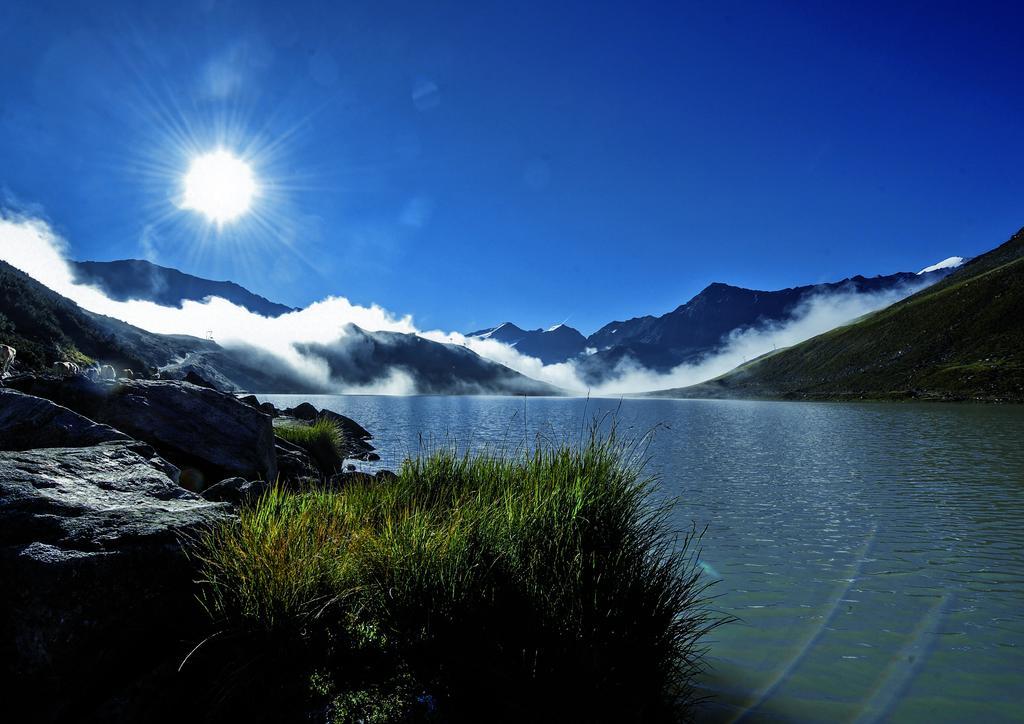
x=545, y=584
x=322, y=439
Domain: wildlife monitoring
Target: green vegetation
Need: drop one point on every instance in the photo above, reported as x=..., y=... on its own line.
x=961, y=339
x=541, y=585
x=45, y=328
x=323, y=439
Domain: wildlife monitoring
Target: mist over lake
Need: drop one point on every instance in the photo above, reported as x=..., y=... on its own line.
x=873, y=553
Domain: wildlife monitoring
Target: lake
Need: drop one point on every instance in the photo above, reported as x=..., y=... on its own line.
x=873, y=553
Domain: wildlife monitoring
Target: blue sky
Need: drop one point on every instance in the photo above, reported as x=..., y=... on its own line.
x=471, y=163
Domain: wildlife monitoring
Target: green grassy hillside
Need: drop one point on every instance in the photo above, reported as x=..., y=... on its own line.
x=961, y=339
x=45, y=327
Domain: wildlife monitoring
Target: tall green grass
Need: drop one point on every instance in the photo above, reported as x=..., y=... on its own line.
x=322, y=439
x=541, y=585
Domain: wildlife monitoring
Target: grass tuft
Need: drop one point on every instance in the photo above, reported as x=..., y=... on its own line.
x=544, y=584
x=323, y=439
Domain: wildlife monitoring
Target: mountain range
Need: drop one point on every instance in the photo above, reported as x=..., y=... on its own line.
x=960, y=339
x=44, y=326
x=692, y=330
x=128, y=279
x=550, y=346
x=687, y=334
x=953, y=338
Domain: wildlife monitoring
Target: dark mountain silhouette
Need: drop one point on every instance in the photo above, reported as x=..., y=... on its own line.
x=45, y=327
x=962, y=338
x=557, y=344
x=137, y=279
x=365, y=358
x=691, y=331
x=687, y=334
x=702, y=325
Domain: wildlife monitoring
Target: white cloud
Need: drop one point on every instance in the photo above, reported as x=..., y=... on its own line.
x=30, y=245
x=561, y=375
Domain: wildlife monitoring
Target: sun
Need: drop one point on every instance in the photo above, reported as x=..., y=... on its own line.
x=220, y=186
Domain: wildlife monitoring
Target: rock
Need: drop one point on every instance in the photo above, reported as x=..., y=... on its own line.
x=250, y=400
x=268, y=408
x=97, y=590
x=293, y=463
x=351, y=448
x=356, y=436
x=209, y=434
x=343, y=480
x=198, y=371
x=33, y=422
x=305, y=411
x=386, y=475
x=349, y=426
x=355, y=446
x=193, y=379
x=350, y=467
x=236, y=491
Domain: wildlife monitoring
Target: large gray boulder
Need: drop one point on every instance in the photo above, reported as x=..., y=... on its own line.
x=32, y=422
x=210, y=435
x=96, y=591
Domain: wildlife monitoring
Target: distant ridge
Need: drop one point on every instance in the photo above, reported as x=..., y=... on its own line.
x=550, y=346
x=692, y=330
x=701, y=325
x=45, y=327
x=961, y=339
x=128, y=279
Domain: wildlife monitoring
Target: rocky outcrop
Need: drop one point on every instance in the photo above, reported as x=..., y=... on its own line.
x=250, y=400
x=236, y=491
x=211, y=435
x=309, y=413
x=355, y=436
x=193, y=379
x=98, y=605
x=303, y=411
x=293, y=463
x=350, y=427
x=32, y=422
x=97, y=590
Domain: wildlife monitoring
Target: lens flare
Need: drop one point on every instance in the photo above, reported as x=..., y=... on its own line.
x=220, y=186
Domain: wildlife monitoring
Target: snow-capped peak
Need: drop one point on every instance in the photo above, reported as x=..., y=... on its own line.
x=557, y=326
x=488, y=333
x=951, y=263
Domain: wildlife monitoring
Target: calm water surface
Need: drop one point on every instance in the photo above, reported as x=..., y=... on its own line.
x=873, y=553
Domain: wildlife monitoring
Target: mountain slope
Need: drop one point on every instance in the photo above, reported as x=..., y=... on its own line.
x=962, y=338
x=366, y=358
x=45, y=327
x=137, y=279
x=550, y=346
x=693, y=330
x=703, y=324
